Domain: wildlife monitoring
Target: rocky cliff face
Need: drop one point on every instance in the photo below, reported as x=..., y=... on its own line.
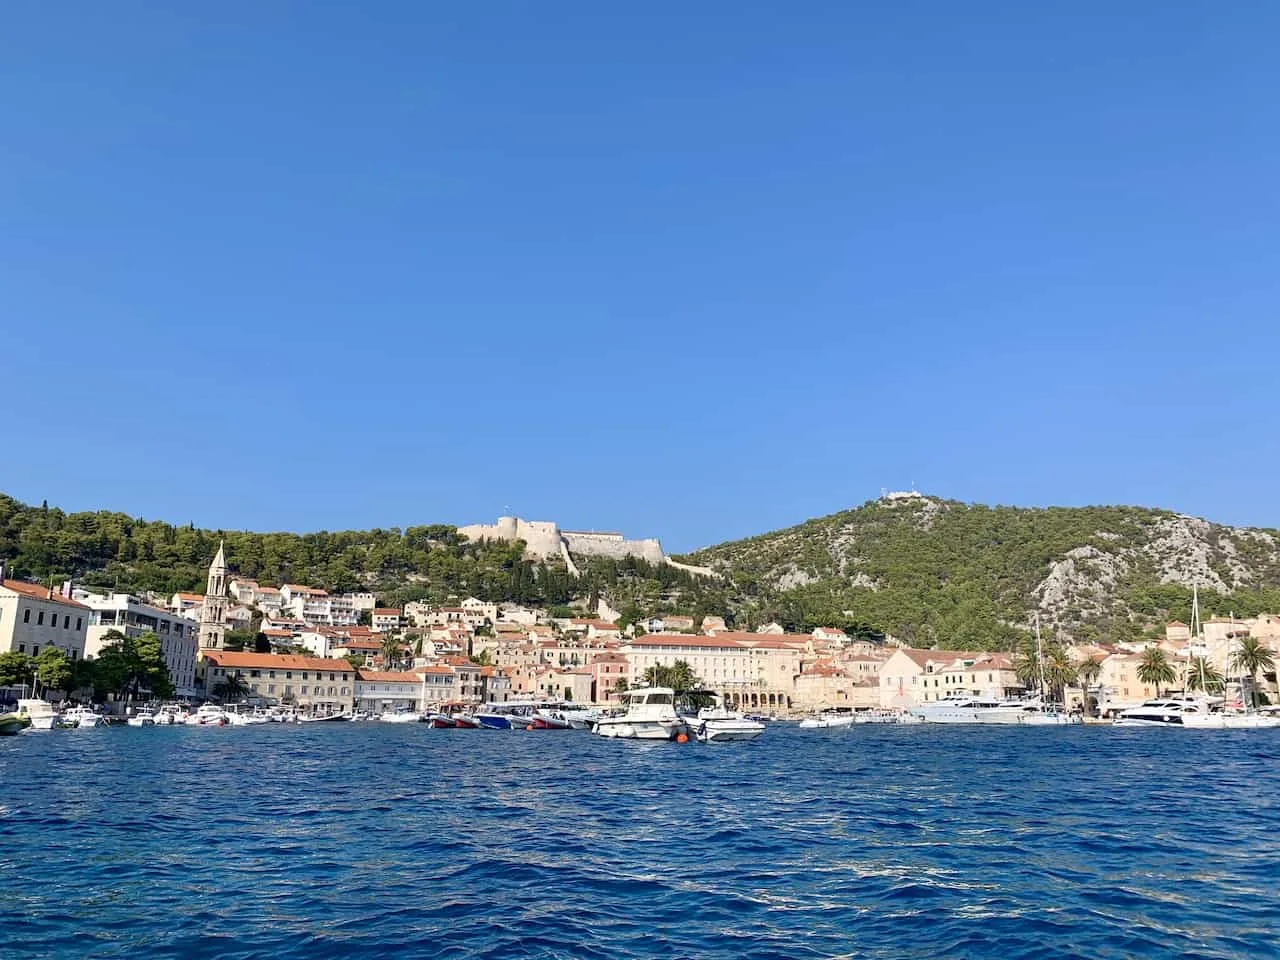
x=935, y=568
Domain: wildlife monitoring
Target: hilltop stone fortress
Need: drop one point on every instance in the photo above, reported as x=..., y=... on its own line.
x=546, y=539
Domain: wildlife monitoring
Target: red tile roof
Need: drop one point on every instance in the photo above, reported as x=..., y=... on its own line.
x=683, y=640
x=35, y=591
x=387, y=676
x=277, y=661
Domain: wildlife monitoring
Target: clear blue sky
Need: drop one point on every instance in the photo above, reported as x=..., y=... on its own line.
x=693, y=271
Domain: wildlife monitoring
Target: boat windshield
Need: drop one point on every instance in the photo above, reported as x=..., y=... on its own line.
x=658, y=698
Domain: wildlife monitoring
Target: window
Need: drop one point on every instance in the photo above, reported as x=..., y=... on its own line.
x=66, y=622
x=35, y=648
x=22, y=648
x=302, y=690
x=255, y=673
x=271, y=674
x=288, y=675
x=40, y=619
x=288, y=690
x=271, y=688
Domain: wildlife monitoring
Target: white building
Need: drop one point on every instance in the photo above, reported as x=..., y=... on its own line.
x=33, y=618
x=130, y=616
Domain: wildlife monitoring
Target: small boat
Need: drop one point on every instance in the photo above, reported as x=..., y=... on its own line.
x=143, y=718
x=494, y=721
x=12, y=724
x=465, y=721
x=718, y=724
x=441, y=721
x=327, y=718
x=548, y=720
x=81, y=718
x=40, y=712
x=827, y=721
x=400, y=716
x=649, y=714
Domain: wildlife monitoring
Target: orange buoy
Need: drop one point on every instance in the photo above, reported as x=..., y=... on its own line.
x=529, y=727
x=682, y=738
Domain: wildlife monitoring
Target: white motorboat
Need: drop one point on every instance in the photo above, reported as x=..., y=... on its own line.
x=171, y=714
x=143, y=718
x=41, y=713
x=718, y=724
x=650, y=714
x=209, y=715
x=81, y=718
x=827, y=721
x=577, y=715
x=401, y=716
x=1229, y=720
x=1166, y=712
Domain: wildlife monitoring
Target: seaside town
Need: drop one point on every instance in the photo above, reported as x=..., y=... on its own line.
x=320, y=656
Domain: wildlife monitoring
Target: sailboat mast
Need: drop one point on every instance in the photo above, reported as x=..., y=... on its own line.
x=1040, y=656
x=1195, y=633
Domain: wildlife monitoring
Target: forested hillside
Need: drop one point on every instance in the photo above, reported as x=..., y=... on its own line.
x=925, y=570
x=967, y=575
x=115, y=551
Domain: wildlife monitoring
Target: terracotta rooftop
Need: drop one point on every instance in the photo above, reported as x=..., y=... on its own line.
x=277, y=661
x=387, y=676
x=35, y=591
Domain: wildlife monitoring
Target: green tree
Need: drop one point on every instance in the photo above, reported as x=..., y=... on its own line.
x=230, y=689
x=1252, y=657
x=1155, y=668
x=356, y=660
x=621, y=686
x=261, y=643
x=679, y=676
x=53, y=669
x=1059, y=673
x=1203, y=675
x=16, y=669
x=391, y=649
x=128, y=665
x=236, y=641
x=483, y=659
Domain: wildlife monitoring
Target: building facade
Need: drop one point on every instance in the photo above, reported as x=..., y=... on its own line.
x=34, y=618
x=129, y=615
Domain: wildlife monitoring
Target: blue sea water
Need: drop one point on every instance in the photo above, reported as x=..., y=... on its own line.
x=367, y=840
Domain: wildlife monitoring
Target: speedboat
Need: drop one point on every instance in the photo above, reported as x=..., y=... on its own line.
x=717, y=724
x=41, y=713
x=827, y=721
x=441, y=721
x=81, y=718
x=650, y=714
x=1164, y=712
x=1230, y=720
x=550, y=720
x=494, y=721
x=327, y=718
x=465, y=721
x=12, y=724
x=143, y=718
x=209, y=715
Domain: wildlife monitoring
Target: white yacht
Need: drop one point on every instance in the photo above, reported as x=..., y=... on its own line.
x=41, y=713
x=1165, y=712
x=401, y=716
x=963, y=708
x=650, y=714
x=171, y=714
x=209, y=715
x=1219, y=720
x=717, y=724
x=81, y=718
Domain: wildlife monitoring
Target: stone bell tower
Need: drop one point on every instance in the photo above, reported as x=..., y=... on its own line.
x=213, y=615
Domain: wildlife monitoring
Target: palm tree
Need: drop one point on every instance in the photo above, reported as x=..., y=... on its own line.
x=390, y=650
x=1059, y=673
x=1087, y=672
x=1203, y=675
x=1155, y=668
x=231, y=689
x=1250, y=659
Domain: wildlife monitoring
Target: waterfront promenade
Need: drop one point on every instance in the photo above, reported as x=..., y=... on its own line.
x=341, y=840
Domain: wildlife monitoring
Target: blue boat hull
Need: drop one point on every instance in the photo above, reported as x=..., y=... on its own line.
x=493, y=722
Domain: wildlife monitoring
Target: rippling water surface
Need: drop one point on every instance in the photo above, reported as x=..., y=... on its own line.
x=367, y=840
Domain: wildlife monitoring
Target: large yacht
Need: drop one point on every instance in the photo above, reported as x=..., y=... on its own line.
x=1165, y=712
x=42, y=714
x=650, y=714
x=963, y=708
